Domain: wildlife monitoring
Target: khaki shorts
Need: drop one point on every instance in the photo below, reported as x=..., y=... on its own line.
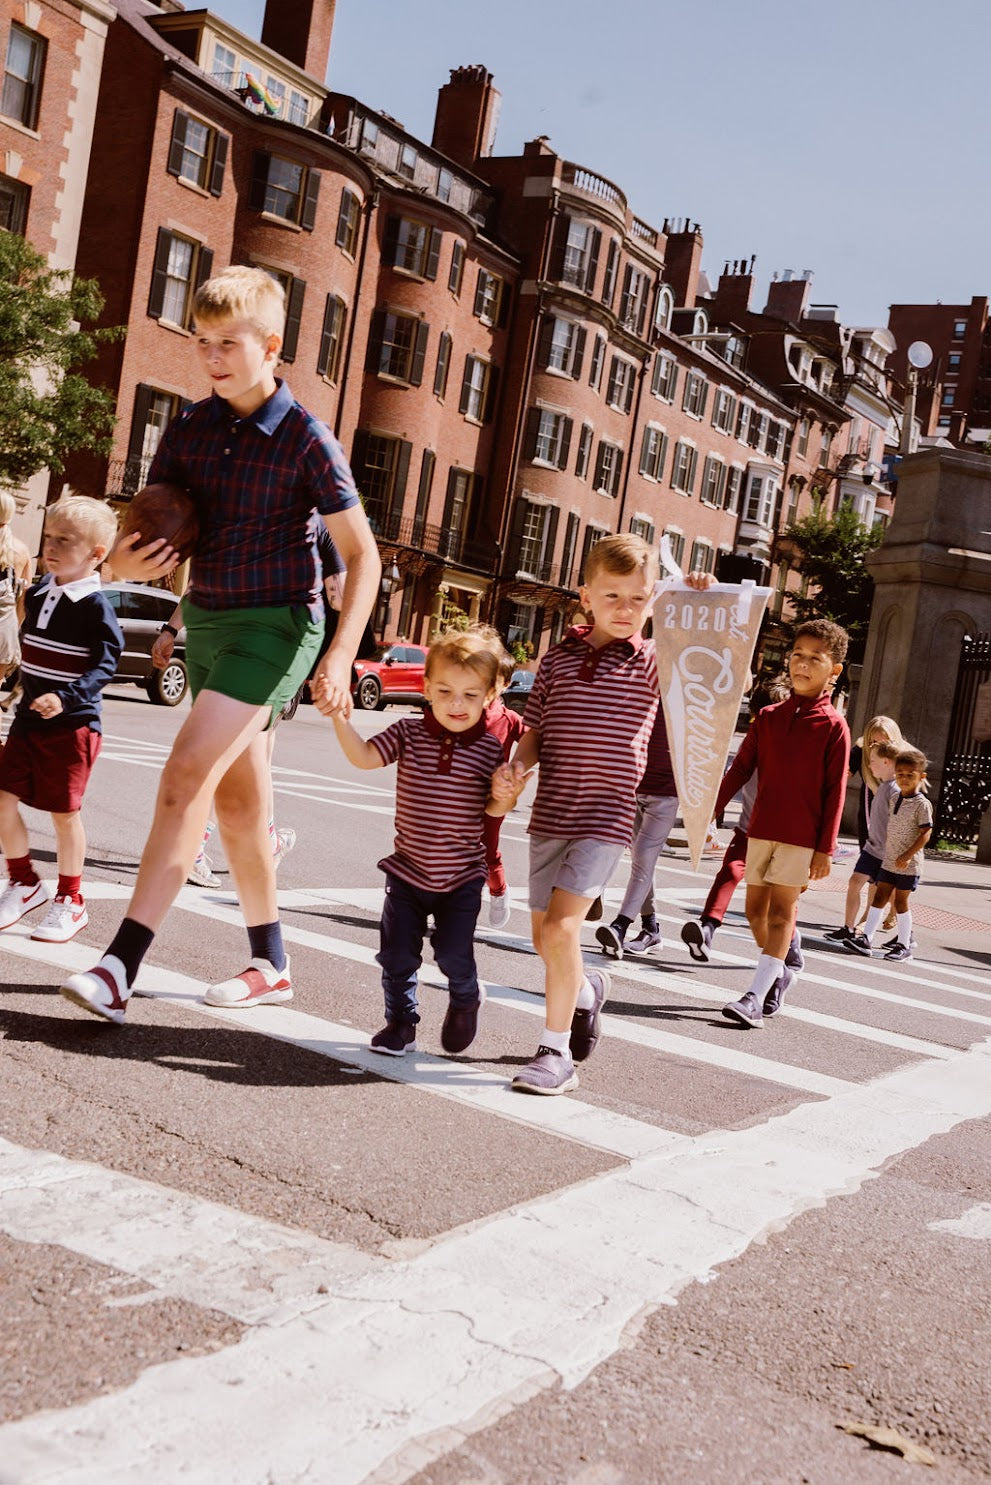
x=582, y=867
x=772, y=864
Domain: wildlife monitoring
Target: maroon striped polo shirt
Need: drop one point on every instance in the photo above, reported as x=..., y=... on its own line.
x=594, y=710
x=442, y=784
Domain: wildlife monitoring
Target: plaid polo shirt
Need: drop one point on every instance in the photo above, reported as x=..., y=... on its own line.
x=255, y=481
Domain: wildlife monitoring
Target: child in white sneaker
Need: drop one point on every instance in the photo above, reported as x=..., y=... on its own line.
x=70, y=645
x=910, y=822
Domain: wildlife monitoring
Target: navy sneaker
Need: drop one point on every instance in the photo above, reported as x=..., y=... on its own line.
x=774, y=999
x=585, y=1026
x=794, y=958
x=549, y=1073
x=611, y=936
x=698, y=937
x=898, y=953
x=893, y=943
x=858, y=943
x=747, y=1009
x=461, y=1024
x=395, y=1039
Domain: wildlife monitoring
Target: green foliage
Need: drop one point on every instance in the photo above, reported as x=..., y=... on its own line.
x=47, y=409
x=522, y=651
x=831, y=552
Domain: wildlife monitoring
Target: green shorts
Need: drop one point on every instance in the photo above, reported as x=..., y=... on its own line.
x=257, y=655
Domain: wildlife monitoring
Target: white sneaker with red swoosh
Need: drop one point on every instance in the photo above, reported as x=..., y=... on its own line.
x=259, y=984
x=102, y=990
x=64, y=919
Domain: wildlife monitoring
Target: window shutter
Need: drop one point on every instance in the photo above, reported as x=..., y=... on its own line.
x=516, y=532
x=618, y=471
x=359, y=449
x=156, y=298
x=491, y=393
x=609, y=281
x=628, y=394
x=466, y=385
x=555, y=269
x=294, y=313
x=343, y=217
x=642, y=315
x=624, y=306
x=645, y=450
x=662, y=456
x=373, y=357
x=504, y=302
x=218, y=164
x=259, y=180
x=600, y=464
x=309, y=213
x=552, y=518
x=480, y=292
x=593, y=260
x=402, y=474
x=562, y=458
x=419, y=354
x=204, y=266
x=433, y=252
x=544, y=343
x=443, y=364
x=329, y=319
x=390, y=240
x=578, y=356
x=704, y=399
x=180, y=122
x=423, y=494
x=139, y=420
x=530, y=436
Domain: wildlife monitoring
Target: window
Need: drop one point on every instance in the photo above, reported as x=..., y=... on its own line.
x=153, y=412
x=179, y=269
x=332, y=338
x=949, y=397
x=548, y=437
x=802, y=437
x=701, y=558
x=464, y=492
x=760, y=500
x=696, y=392
x=284, y=189
x=676, y=541
x=397, y=346
x=608, y=467
x=295, y=290
x=664, y=381
x=592, y=535
x=619, y=393
x=826, y=445
x=299, y=108
x=653, y=451
x=794, y=495
x=683, y=467
x=633, y=299
x=953, y=361
x=537, y=539
x=595, y=368
x=14, y=199
x=407, y=161
x=731, y=494
x=664, y=309
x=489, y=292
x=959, y=326
x=22, y=77
x=569, y=548
x=197, y=153
x=381, y=466
x=369, y=135
x=457, y=267
x=562, y=346
x=445, y=180
x=478, y=389
x=411, y=246
x=777, y=433
x=584, y=450
x=944, y=422
x=581, y=254
x=276, y=90
x=443, y=365
x=757, y=438
x=640, y=526
x=224, y=63
x=743, y=422
x=348, y=219
x=713, y=475
x=723, y=410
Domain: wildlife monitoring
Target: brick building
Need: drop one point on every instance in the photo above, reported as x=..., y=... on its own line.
x=53, y=53
x=954, y=392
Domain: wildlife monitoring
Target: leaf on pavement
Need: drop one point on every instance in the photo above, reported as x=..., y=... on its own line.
x=890, y=1439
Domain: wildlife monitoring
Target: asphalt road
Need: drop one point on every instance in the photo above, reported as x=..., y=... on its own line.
x=239, y=1247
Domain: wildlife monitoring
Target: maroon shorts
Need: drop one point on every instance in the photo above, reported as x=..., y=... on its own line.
x=50, y=770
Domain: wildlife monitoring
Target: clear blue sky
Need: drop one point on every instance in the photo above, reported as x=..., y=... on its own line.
x=849, y=137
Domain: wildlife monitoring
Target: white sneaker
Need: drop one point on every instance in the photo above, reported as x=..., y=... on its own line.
x=16, y=900
x=284, y=842
x=202, y=874
x=259, y=984
x=65, y=918
x=499, y=909
x=102, y=990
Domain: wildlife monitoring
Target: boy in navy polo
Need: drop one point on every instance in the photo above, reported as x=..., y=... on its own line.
x=256, y=464
x=71, y=643
x=446, y=759
x=800, y=749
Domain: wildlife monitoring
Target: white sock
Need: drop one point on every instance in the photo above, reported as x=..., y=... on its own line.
x=767, y=971
x=874, y=916
x=903, y=927
x=586, y=995
x=557, y=1040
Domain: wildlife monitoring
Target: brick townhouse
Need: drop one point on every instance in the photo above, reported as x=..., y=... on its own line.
x=954, y=392
x=52, y=57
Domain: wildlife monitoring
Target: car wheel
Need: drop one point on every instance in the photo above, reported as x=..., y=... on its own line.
x=167, y=687
x=368, y=694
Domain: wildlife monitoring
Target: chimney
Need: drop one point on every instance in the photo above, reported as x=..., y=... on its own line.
x=788, y=297
x=467, y=115
x=736, y=284
x=683, y=261
x=300, y=31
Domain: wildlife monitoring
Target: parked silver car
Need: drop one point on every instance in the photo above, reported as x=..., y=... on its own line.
x=141, y=611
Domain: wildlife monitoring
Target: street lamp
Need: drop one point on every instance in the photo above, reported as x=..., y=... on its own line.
x=391, y=579
x=919, y=357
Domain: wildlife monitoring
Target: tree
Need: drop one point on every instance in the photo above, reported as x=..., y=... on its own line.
x=831, y=554
x=47, y=409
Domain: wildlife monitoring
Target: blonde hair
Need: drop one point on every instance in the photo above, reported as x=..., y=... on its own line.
x=91, y=518
x=243, y=293
x=892, y=732
x=8, y=509
x=620, y=554
x=479, y=649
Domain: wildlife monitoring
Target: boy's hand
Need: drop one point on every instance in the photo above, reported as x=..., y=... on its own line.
x=134, y=564
x=509, y=780
x=901, y=862
x=49, y=705
x=701, y=580
x=330, y=687
x=161, y=650
x=820, y=867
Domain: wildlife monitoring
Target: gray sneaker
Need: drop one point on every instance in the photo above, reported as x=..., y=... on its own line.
x=644, y=942
x=585, y=1025
x=794, y=958
x=774, y=999
x=899, y=952
x=747, y=1009
x=858, y=943
x=698, y=937
x=610, y=936
x=550, y=1072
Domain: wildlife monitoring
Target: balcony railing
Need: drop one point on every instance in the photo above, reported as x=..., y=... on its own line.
x=410, y=531
x=595, y=185
x=127, y=476
x=644, y=231
x=253, y=93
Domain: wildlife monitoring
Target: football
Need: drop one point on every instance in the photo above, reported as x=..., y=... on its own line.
x=164, y=511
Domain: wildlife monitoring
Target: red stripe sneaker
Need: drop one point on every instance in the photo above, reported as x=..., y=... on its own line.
x=259, y=984
x=102, y=990
x=64, y=919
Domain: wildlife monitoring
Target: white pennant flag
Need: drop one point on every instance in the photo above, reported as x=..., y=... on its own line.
x=705, y=641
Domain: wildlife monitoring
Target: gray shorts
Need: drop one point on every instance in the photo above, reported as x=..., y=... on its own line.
x=583, y=867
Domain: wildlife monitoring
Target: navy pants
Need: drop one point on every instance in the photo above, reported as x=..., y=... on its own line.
x=405, y=922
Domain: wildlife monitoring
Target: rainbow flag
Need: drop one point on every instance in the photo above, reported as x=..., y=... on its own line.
x=261, y=94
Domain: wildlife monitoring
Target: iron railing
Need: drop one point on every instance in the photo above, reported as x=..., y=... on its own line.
x=965, y=781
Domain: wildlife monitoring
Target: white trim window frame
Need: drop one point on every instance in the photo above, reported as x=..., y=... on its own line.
x=683, y=466
x=723, y=410
x=713, y=479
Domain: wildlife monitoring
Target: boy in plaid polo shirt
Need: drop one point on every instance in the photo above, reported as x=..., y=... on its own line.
x=256, y=464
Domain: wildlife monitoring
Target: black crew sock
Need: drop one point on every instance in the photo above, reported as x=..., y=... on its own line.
x=621, y=923
x=650, y=924
x=712, y=923
x=130, y=945
x=266, y=943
